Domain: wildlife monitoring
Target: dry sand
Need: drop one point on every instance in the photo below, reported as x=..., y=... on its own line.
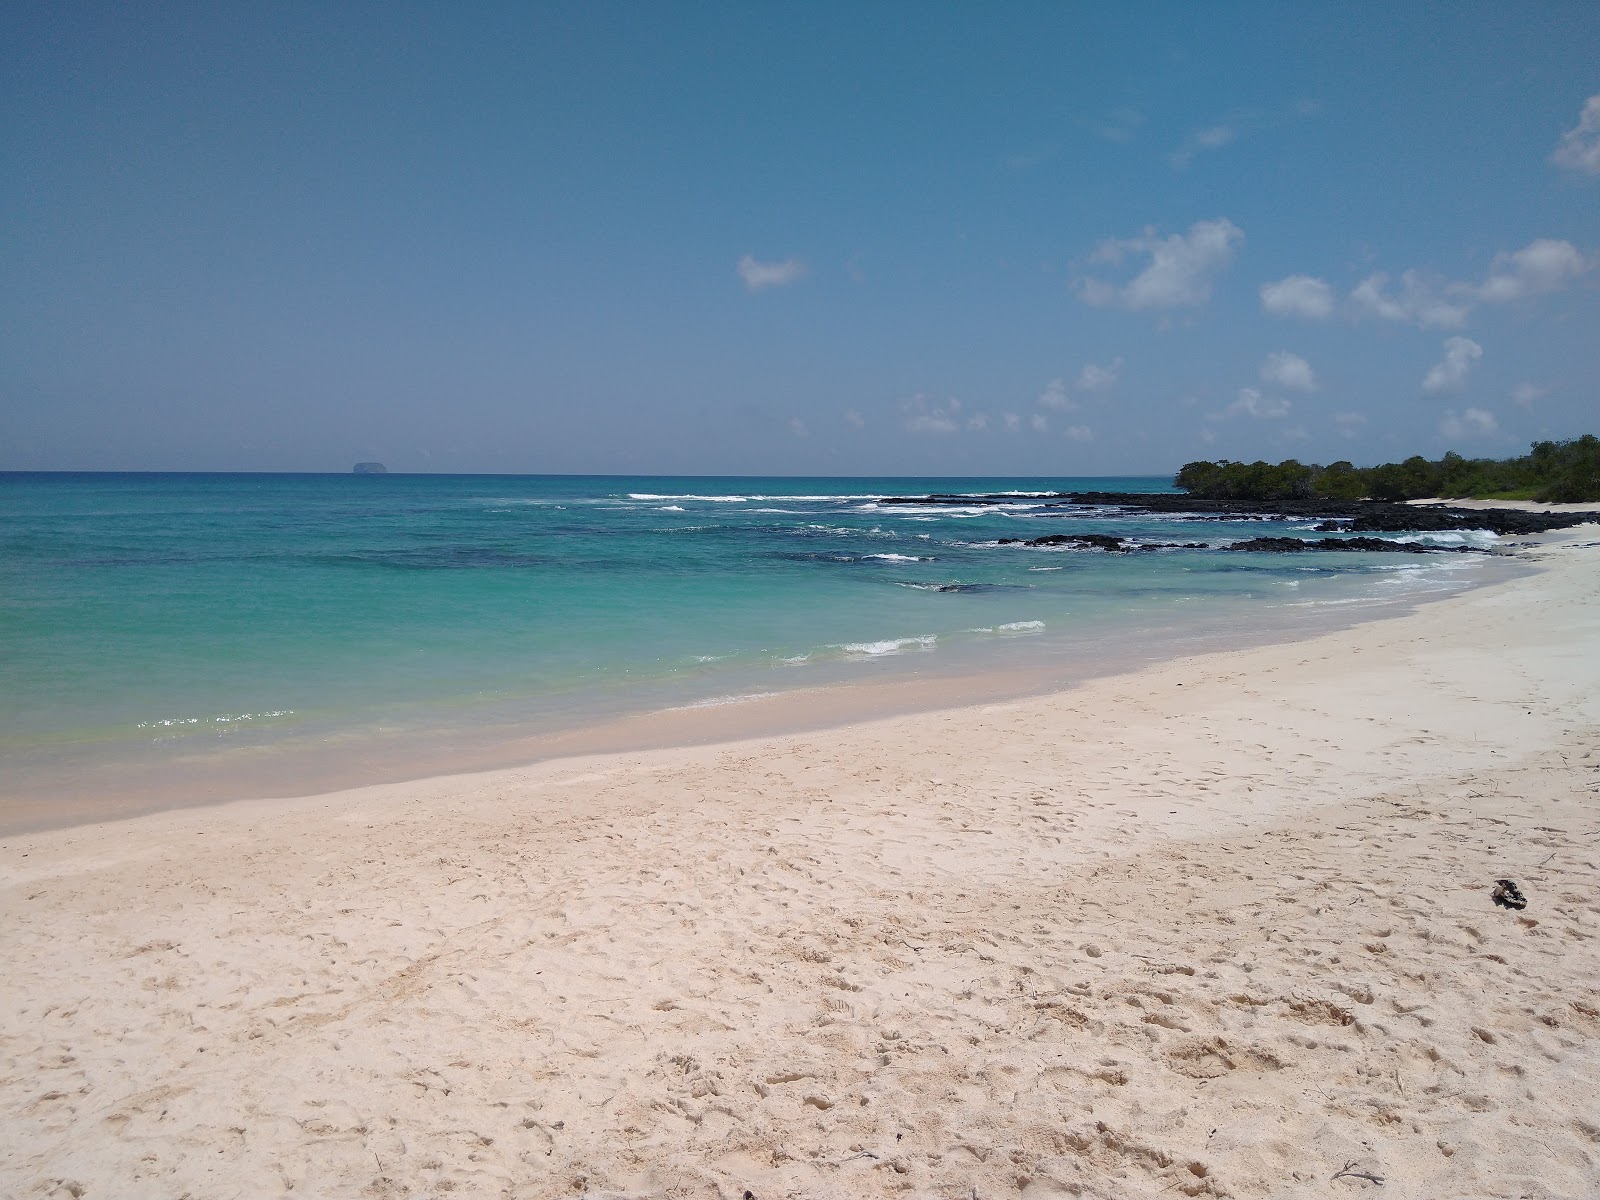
x=1219, y=928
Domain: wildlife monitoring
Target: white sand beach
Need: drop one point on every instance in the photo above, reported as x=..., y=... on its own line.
x=1222, y=927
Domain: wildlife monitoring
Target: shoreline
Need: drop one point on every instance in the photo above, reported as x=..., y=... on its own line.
x=1219, y=927
x=901, y=686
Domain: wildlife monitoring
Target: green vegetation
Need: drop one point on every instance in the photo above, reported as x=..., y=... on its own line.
x=1553, y=473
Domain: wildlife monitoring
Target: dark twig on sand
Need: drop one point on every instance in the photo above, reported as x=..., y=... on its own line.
x=1350, y=1172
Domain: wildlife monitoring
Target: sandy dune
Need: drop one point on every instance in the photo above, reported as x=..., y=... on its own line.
x=1218, y=928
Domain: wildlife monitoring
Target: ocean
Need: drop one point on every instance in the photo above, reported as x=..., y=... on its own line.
x=199, y=636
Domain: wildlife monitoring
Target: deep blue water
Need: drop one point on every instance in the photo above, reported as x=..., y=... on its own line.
x=170, y=612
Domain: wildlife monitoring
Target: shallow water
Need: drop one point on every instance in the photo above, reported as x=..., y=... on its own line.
x=226, y=622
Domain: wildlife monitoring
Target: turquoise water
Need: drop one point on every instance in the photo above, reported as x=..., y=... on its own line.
x=153, y=615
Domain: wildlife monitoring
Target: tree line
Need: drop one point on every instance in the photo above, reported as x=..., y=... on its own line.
x=1552, y=472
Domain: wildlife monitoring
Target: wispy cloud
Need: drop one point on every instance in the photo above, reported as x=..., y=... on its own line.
x=1178, y=271
x=1078, y=433
x=1238, y=124
x=1474, y=422
x=1211, y=138
x=759, y=275
x=1055, y=396
x=1543, y=266
x=1298, y=296
x=1251, y=403
x=1579, y=147
x=1417, y=302
x=1526, y=393
x=1349, y=423
x=1119, y=125
x=1095, y=378
x=924, y=415
x=1030, y=159
x=1450, y=373
x=797, y=428
x=1290, y=371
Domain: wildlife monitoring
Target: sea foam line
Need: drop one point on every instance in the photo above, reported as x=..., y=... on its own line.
x=925, y=641
x=172, y=722
x=720, y=701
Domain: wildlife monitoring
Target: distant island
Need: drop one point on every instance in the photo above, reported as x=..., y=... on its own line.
x=1552, y=473
x=371, y=468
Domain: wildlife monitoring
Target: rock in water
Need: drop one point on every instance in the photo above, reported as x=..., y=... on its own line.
x=371, y=469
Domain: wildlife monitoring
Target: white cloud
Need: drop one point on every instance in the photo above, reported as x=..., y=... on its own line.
x=1288, y=371
x=1213, y=138
x=1298, y=296
x=1039, y=423
x=1579, y=147
x=1094, y=378
x=1179, y=271
x=797, y=428
x=1449, y=374
x=1251, y=403
x=1349, y=423
x=978, y=422
x=929, y=416
x=1055, y=396
x=931, y=423
x=1527, y=393
x=1078, y=433
x=1544, y=265
x=1475, y=422
x=1419, y=301
x=1119, y=126
x=759, y=275
x=854, y=419
x=1013, y=422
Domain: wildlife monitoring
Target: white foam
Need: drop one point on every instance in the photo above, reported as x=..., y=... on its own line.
x=934, y=510
x=713, y=499
x=173, y=722
x=719, y=701
x=670, y=508
x=898, y=557
x=741, y=499
x=925, y=641
x=1020, y=626
x=1464, y=537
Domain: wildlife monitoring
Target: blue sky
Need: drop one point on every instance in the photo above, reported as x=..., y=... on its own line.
x=837, y=239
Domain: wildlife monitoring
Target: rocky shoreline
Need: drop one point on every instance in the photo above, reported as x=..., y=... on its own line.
x=1268, y=545
x=1334, y=516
